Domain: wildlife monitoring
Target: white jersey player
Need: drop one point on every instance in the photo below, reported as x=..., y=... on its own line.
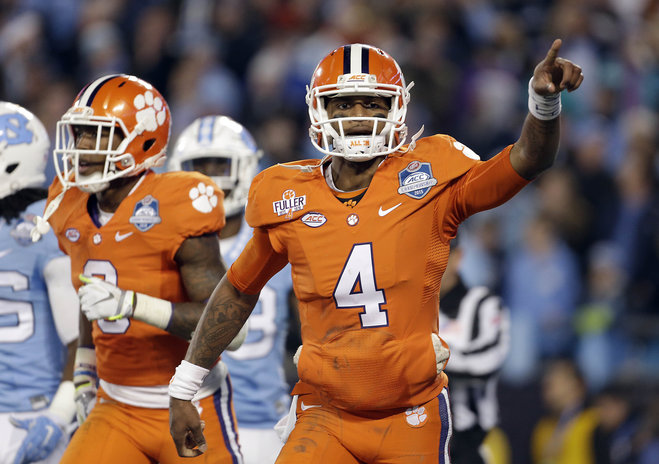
x=38, y=305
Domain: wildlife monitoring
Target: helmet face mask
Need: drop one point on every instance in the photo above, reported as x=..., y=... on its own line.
x=112, y=106
x=354, y=70
x=24, y=146
x=69, y=128
x=222, y=149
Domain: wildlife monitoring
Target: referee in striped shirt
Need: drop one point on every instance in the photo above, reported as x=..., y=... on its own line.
x=475, y=324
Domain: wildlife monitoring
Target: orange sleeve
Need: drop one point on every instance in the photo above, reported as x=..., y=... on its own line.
x=486, y=185
x=257, y=263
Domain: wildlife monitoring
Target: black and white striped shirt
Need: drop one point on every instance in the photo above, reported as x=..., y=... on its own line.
x=476, y=325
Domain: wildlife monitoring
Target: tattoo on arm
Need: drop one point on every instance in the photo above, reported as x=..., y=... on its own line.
x=201, y=268
x=225, y=314
x=536, y=148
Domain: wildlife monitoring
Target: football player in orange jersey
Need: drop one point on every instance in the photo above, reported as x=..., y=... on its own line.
x=367, y=232
x=144, y=258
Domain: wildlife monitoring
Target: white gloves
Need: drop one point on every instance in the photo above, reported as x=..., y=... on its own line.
x=442, y=352
x=102, y=300
x=43, y=435
x=85, y=399
x=85, y=380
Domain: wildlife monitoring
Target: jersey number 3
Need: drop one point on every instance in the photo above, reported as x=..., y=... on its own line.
x=356, y=287
x=105, y=270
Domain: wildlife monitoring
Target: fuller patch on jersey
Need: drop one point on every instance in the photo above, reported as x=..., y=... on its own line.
x=416, y=417
x=416, y=180
x=289, y=203
x=314, y=219
x=146, y=214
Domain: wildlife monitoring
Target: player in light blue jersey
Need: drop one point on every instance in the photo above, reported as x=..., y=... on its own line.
x=38, y=305
x=224, y=150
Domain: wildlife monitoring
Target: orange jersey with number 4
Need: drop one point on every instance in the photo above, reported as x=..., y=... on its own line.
x=135, y=250
x=367, y=278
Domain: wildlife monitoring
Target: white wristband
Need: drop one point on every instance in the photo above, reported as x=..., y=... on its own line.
x=153, y=311
x=543, y=107
x=187, y=381
x=62, y=405
x=85, y=362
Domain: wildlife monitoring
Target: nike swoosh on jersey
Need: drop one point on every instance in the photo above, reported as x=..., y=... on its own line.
x=384, y=212
x=5, y=252
x=305, y=407
x=119, y=237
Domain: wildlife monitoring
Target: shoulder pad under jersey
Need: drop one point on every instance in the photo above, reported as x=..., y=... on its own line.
x=279, y=193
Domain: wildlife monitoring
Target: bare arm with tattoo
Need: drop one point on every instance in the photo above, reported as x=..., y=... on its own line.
x=201, y=267
x=226, y=312
x=538, y=143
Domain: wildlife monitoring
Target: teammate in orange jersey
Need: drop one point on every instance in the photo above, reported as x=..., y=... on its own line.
x=367, y=232
x=144, y=258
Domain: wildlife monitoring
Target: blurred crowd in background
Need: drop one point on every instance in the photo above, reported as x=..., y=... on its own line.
x=575, y=256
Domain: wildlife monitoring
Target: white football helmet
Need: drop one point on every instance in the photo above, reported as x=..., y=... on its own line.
x=24, y=146
x=222, y=149
x=358, y=69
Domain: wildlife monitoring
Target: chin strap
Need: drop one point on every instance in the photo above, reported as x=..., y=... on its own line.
x=305, y=167
x=412, y=145
x=311, y=167
x=41, y=226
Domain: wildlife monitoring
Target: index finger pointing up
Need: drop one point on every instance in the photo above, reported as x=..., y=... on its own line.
x=553, y=51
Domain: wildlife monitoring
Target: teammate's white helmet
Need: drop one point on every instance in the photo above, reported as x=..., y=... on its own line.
x=222, y=149
x=24, y=146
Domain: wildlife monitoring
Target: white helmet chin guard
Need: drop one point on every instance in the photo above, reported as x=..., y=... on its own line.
x=222, y=149
x=358, y=69
x=24, y=146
